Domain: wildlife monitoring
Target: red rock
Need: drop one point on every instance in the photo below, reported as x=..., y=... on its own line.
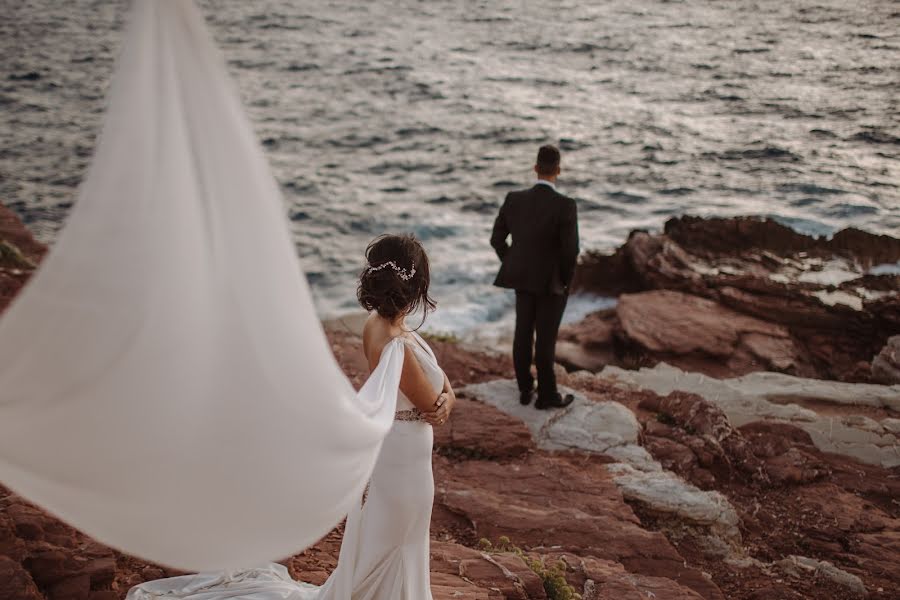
x=760, y=269
x=869, y=248
x=531, y=583
x=454, y=563
x=50, y=566
x=729, y=236
x=102, y=571
x=809, y=503
x=698, y=334
x=490, y=575
x=588, y=344
x=702, y=427
x=524, y=502
x=15, y=582
x=29, y=521
x=476, y=430
x=14, y=231
x=886, y=365
x=77, y=587
x=795, y=466
x=11, y=544
x=886, y=309
x=665, y=321
x=451, y=587
x=611, y=274
x=612, y=582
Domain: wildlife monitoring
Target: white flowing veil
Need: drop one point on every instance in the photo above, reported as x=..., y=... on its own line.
x=165, y=384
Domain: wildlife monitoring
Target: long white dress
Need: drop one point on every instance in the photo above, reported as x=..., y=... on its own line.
x=385, y=550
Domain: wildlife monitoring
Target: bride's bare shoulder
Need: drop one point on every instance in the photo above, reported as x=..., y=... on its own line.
x=377, y=332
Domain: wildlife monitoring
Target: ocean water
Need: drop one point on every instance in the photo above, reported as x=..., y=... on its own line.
x=410, y=116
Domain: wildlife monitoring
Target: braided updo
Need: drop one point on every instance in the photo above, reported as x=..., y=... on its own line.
x=398, y=289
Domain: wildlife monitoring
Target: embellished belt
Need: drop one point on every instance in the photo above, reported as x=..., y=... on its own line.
x=412, y=414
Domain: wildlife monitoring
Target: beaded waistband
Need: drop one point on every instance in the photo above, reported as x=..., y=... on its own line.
x=412, y=414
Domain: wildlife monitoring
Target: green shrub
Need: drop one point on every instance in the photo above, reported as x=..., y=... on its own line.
x=12, y=257
x=553, y=576
x=441, y=336
x=665, y=418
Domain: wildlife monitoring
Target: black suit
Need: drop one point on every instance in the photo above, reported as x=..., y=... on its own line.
x=539, y=265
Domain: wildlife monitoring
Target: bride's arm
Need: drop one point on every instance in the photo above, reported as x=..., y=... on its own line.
x=413, y=382
x=444, y=405
x=415, y=385
x=451, y=395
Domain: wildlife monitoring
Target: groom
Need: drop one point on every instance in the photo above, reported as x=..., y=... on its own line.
x=538, y=265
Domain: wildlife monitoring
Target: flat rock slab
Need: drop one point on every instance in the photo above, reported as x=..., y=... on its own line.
x=752, y=398
x=559, y=503
x=477, y=430
x=611, y=429
x=583, y=425
x=771, y=385
x=666, y=493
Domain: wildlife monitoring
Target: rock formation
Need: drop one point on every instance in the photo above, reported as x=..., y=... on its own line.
x=732, y=296
x=886, y=365
x=19, y=253
x=657, y=483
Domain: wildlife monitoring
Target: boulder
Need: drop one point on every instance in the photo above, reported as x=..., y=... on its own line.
x=15, y=582
x=675, y=324
x=886, y=364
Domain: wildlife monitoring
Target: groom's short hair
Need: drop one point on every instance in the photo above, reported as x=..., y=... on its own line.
x=547, y=160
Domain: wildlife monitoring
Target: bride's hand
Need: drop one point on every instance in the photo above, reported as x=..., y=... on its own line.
x=441, y=412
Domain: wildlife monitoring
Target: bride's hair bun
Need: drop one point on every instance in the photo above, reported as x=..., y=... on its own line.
x=396, y=279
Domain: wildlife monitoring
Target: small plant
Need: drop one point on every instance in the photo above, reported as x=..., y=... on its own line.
x=12, y=257
x=665, y=418
x=553, y=576
x=441, y=336
x=461, y=453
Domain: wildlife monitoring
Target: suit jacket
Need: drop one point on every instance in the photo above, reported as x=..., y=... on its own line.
x=544, y=228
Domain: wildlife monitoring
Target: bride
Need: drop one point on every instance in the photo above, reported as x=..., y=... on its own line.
x=385, y=550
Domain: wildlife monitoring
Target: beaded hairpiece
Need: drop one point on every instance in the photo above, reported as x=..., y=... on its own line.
x=401, y=273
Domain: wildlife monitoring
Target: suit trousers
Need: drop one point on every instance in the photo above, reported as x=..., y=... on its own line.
x=537, y=324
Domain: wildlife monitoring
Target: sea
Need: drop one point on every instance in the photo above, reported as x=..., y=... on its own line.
x=419, y=116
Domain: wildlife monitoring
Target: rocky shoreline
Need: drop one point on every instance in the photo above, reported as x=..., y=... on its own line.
x=727, y=297
x=734, y=436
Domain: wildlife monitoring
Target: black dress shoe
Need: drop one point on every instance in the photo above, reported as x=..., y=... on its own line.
x=557, y=401
x=525, y=397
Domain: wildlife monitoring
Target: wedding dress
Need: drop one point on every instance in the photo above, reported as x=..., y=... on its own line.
x=165, y=383
x=385, y=550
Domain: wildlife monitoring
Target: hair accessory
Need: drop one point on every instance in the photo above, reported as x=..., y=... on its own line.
x=401, y=273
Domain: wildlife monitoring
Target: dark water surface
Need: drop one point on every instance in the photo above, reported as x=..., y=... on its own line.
x=420, y=116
